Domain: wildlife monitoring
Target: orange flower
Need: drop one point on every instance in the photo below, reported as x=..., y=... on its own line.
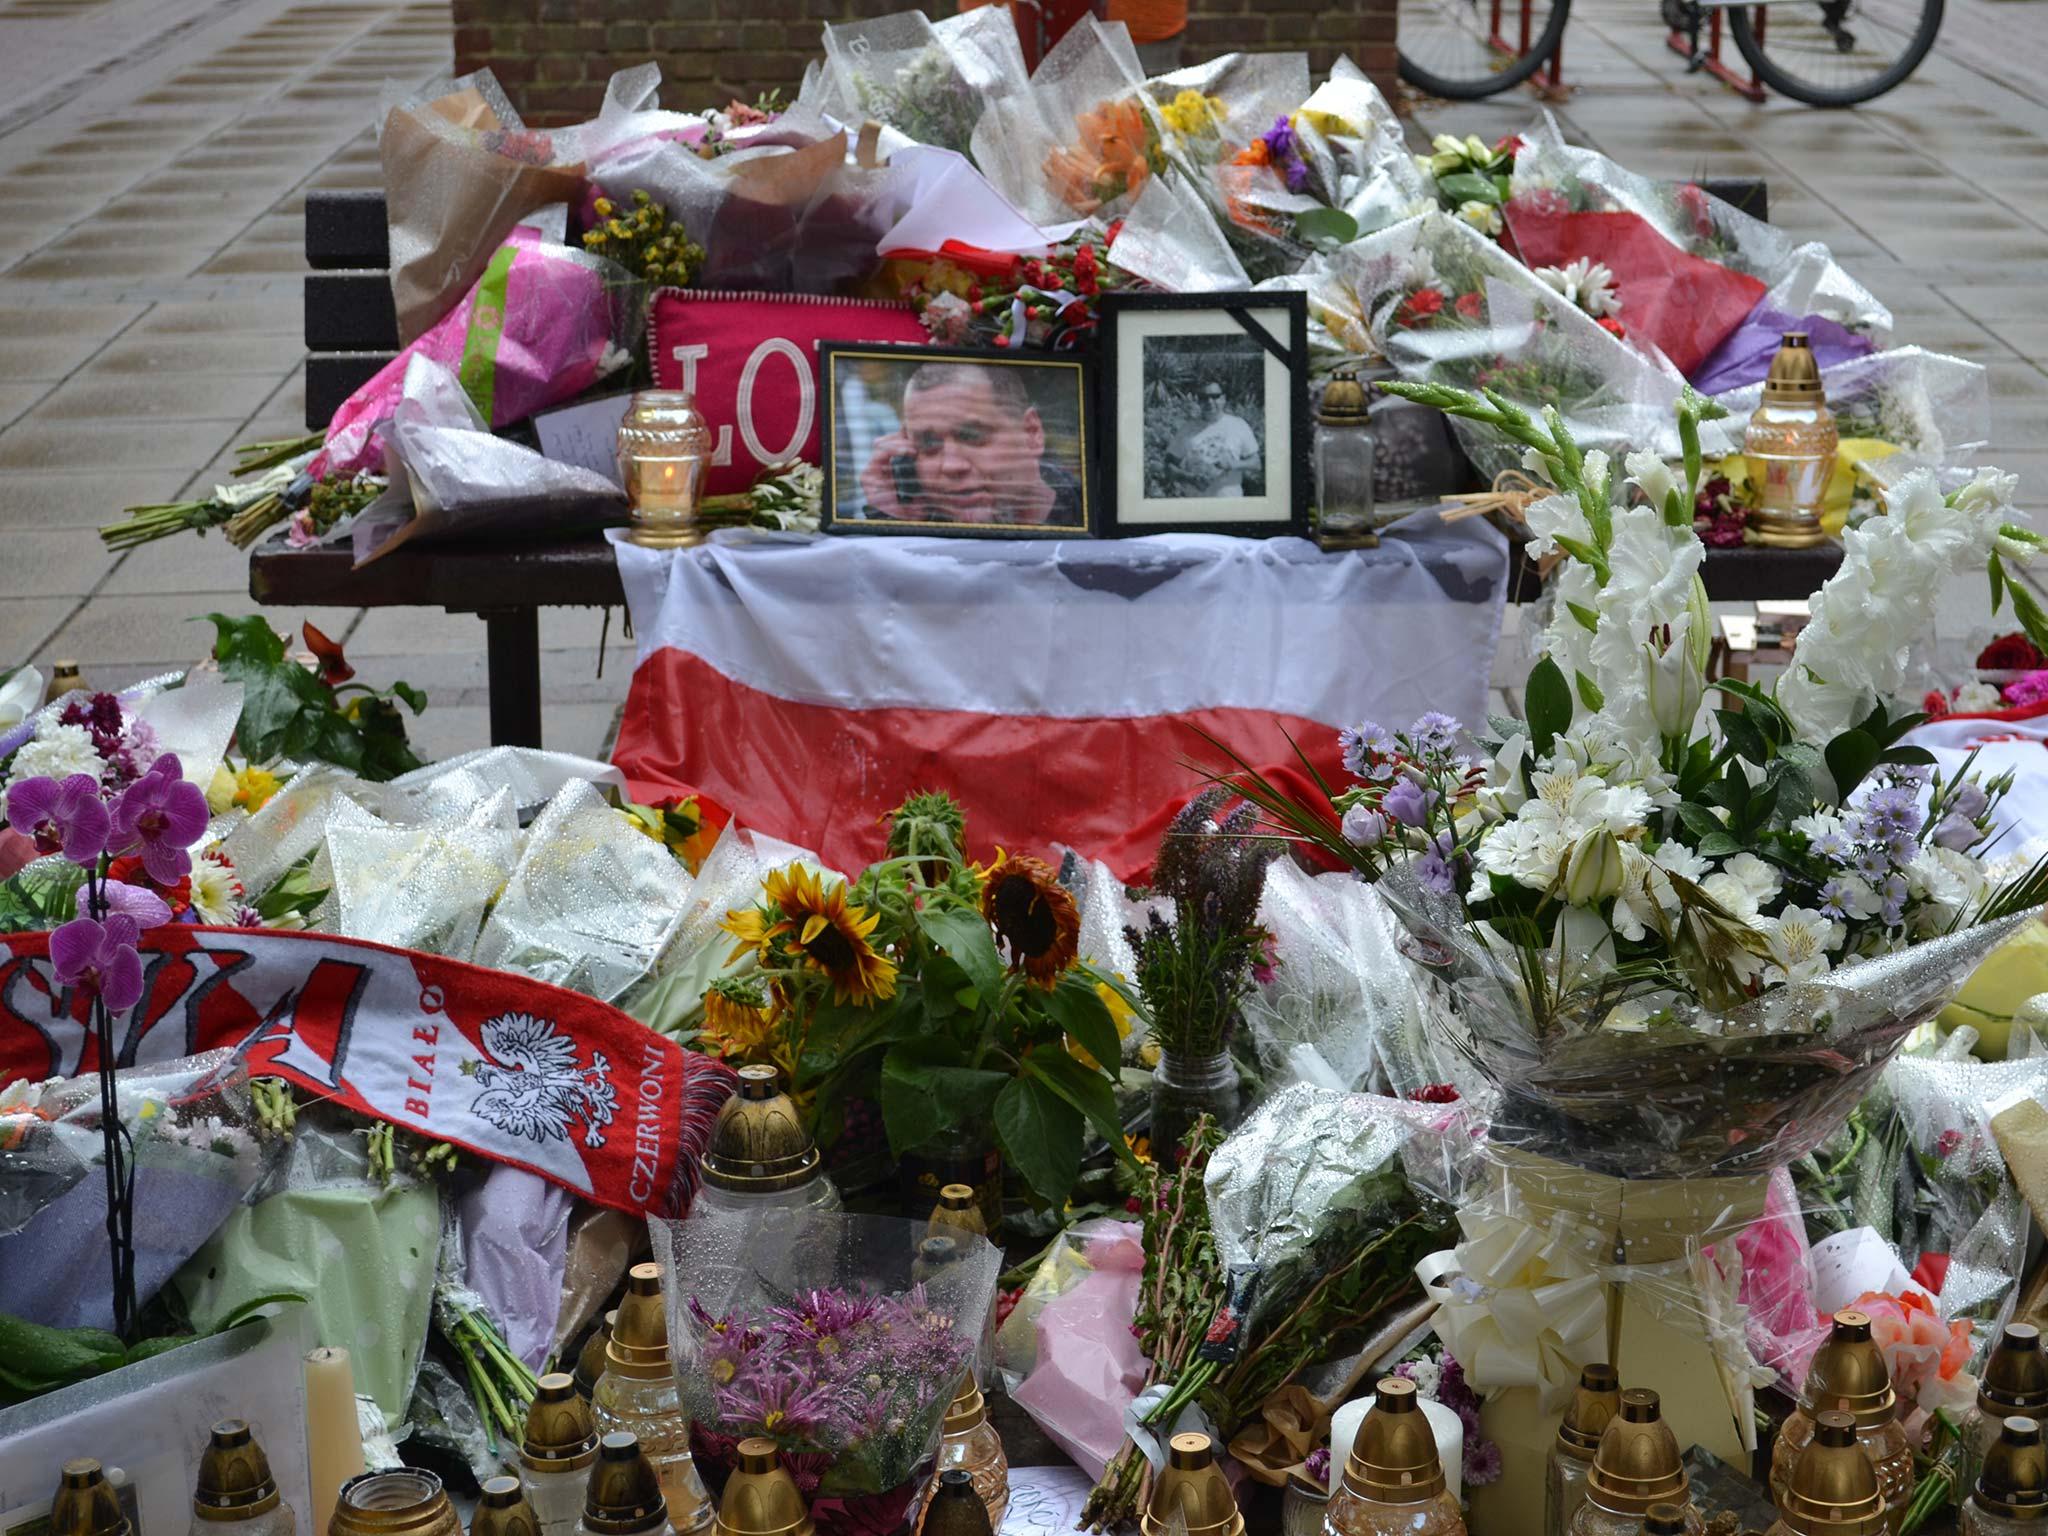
x=1255, y=153
x=1928, y=1358
x=1108, y=162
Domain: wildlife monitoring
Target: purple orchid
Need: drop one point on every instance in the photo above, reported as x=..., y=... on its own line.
x=99, y=959
x=147, y=908
x=163, y=816
x=68, y=818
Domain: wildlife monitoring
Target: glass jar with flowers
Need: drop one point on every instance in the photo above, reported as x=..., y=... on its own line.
x=1196, y=965
x=950, y=993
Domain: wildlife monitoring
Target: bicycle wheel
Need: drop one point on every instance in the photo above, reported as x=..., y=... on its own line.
x=1835, y=53
x=1466, y=49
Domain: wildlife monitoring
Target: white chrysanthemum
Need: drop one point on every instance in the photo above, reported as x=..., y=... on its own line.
x=57, y=752
x=1586, y=284
x=1681, y=861
x=1743, y=885
x=1975, y=697
x=216, y=893
x=1647, y=901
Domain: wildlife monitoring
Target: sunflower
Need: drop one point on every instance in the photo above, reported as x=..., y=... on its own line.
x=1033, y=915
x=804, y=919
x=737, y=1016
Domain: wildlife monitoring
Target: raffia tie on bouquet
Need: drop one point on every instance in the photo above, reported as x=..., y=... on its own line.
x=1521, y=1305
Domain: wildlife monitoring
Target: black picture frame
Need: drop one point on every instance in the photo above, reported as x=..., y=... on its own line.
x=1074, y=459
x=1124, y=397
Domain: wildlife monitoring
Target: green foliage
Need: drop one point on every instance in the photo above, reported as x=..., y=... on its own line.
x=289, y=711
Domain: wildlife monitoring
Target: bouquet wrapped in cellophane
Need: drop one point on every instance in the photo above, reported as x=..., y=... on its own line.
x=841, y=1338
x=1681, y=941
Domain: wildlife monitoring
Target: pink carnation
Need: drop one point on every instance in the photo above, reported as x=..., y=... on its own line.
x=2028, y=691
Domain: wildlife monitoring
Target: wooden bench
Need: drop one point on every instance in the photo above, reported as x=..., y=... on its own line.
x=351, y=331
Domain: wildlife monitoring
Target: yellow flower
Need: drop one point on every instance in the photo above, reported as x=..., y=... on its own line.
x=253, y=787
x=1192, y=113
x=1328, y=124
x=220, y=791
x=1121, y=1014
x=737, y=1017
x=805, y=919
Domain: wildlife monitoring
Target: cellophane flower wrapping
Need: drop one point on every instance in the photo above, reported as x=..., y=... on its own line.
x=930, y=81
x=1342, y=1010
x=1689, y=268
x=1081, y=140
x=1066, y=1354
x=1812, y=294
x=1446, y=305
x=826, y=1333
x=362, y=1253
x=194, y=1156
x=542, y=324
x=1659, y=1087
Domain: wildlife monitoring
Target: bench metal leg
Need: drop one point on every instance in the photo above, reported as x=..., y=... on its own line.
x=512, y=645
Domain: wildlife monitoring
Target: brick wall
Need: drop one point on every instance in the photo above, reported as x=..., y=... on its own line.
x=554, y=56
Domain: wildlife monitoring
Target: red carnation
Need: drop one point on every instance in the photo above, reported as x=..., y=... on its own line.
x=2011, y=653
x=1935, y=704
x=1423, y=304
x=1471, y=305
x=1435, y=1093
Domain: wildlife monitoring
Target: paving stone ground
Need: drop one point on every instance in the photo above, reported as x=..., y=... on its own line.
x=155, y=155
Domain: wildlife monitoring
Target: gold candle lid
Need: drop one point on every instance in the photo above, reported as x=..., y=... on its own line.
x=1193, y=1488
x=758, y=1143
x=1849, y=1373
x=502, y=1510
x=761, y=1498
x=561, y=1435
x=1794, y=378
x=1638, y=1463
x=86, y=1503
x=934, y=1255
x=639, y=1341
x=1593, y=1407
x=1394, y=1460
x=957, y=1211
x=2014, y=1482
x=1343, y=400
x=1833, y=1489
x=590, y=1360
x=624, y=1497
x=405, y=1499
x=1664, y=1520
x=234, y=1480
x=956, y=1509
x=2015, y=1379
x=968, y=1410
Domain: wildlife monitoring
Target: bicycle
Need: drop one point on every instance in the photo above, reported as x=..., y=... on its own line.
x=1826, y=53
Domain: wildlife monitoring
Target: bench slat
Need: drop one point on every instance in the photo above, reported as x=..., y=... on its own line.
x=331, y=377
x=346, y=229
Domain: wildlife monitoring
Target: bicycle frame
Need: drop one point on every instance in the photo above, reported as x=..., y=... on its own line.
x=1554, y=70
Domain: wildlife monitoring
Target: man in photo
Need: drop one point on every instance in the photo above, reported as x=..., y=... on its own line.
x=1214, y=454
x=970, y=450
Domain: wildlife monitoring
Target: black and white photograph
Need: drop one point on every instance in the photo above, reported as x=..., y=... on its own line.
x=930, y=440
x=1205, y=417
x=1203, y=411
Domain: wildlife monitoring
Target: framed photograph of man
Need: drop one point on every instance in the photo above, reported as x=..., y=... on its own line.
x=1205, y=422
x=944, y=441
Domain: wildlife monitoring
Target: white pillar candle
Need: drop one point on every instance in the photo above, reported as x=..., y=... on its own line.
x=334, y=1443
x=1445, y=1425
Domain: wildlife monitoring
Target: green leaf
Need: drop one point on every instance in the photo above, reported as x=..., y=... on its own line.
x=247, y=639
x=967, y=938
x=927, y=1087
x=415, y=699
x=1996, y=567
x=1041, y=1136
x=1469, y=187
x=1718, y=845
x=1916, y=756
x=1332, y=225
x=1850, y=756
x=1548, y=701
x=1807, y=780
x=1740, y=732
x=1076, y=1008
x=1588, y=618
x=57, y=1355
x=1090, y=1092
x=1698, y=820
x=1589, y=692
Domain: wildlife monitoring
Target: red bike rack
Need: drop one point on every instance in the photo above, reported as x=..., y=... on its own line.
x=1551, y=76
x=1681, y=45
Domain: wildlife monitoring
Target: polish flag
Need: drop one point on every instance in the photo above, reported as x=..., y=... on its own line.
x=807, y=685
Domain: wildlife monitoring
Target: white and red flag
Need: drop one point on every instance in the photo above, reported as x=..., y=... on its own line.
x=806, y=686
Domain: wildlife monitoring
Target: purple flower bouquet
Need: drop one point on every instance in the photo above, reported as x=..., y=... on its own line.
x=840, y=1338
